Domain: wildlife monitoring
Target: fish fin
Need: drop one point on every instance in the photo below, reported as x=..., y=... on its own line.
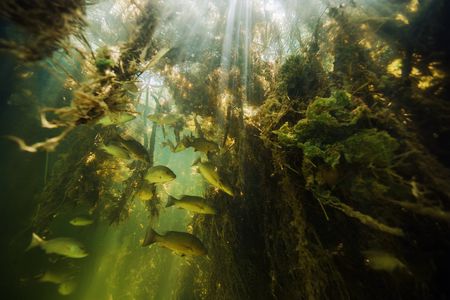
x=35, y=241
x=196, y=161
x=150, y=237
x=170, y=201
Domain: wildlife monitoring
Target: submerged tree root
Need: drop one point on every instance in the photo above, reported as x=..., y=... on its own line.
x=428, y=211
x=313, y=272
x=366, y=219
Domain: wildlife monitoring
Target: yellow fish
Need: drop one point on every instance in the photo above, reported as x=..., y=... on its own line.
x=135, y=148
x=192, y=203
x=201, y=144
x=209, y=172
x=182, y=243
x=112, y=118
x=145, y=193
x=165, y=119
x=159, y=174
x=62, y=246
x=81, y=221
x=383, y=261
x=116, y=150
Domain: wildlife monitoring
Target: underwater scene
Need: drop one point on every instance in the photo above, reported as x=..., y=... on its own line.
x=225, y=149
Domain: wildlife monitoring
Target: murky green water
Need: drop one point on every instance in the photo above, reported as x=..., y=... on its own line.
x=317, y=131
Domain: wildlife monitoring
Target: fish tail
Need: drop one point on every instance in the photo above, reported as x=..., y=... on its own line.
x=170, y=201
x=226, y=188
x=150, y=237
x=196, y=161
x=229, y=192
x=35, y=241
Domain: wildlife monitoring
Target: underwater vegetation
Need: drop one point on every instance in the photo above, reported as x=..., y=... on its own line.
x=44, y=26
x=225, y=149
x=332, y=143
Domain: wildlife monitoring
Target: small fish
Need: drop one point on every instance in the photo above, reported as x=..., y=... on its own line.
x=159, y=174
x=111, y=118
x=116, y=150
x=165, y=119
x=55, y=277
x=209, y=172
x=81, y=221
x=383, y=261
x=135, y=148
x=67, y=287
x=64, y=280
x=182, y=243
x=192, y=203
x=201, y=144
x=145, y=193
x=63, y=246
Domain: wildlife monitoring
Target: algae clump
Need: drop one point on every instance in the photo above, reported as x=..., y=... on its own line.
x=337, y=143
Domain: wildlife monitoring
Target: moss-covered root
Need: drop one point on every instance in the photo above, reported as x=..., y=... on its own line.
x=427, y=211
x=365, y=219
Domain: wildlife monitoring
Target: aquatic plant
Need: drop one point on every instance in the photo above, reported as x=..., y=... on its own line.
x=322, y=134
x=350, y=150
x=300, y=76
x=46, y=25
x=332, y=139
